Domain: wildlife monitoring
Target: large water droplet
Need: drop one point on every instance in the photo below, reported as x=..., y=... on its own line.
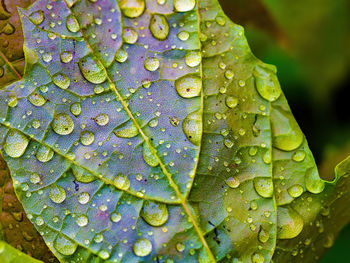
x=155, y=214
x=66, y=56
x=127, y=130
x=75, y=108
x=290, y=223
x=63, y=124
x=104, y=254
x=192, y=127
x=121, y=56
x=299, y=156
x=116, y=217
x=44, y=154
x=16, y=144
x=82, y=220
x=102, y=119
x=57, y=194
x=132, y=8
x=142, y=247
x=92, y=70
x=34, y=178
x=286, y=134
x=61, y=80
x=149, y=157
x=263, y=236
x=130, y=35
x=266, y=82
x=65, y=246
x=72, y=24
x=83, y=198
x=189, y=86
x=263, y=186
x=184, y=5
x=193, y=59
x=151, y=64
x=37, y=17
x=121, y=182
x=87, y=138
x=159, y=27
x=314, y=184
x=36, y=99
x=232, y=182
x=81, y=175
x=295, y=190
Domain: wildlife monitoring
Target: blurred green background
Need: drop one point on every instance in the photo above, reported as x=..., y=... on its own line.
x=309, y=42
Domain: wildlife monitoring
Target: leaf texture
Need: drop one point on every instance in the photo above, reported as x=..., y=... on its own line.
x=147, y=130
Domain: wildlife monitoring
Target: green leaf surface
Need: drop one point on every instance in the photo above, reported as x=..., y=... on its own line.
x=147, y=130
x=9, y=254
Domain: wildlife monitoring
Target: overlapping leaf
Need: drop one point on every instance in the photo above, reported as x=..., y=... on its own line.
x=120, y=102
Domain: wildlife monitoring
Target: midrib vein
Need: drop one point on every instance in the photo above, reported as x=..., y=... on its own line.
x=18, y=75
x=182, y=198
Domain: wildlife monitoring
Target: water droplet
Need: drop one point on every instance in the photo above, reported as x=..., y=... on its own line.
x=266, y=82
x=126, y=130
x=314, y=184
x=81, y=175
x=130, y=35
x=329, y=241
x=87, y=138
x=189, y=86
x=63, y=124
x=61, y=80
x=180, y=247
x=132, y=8
x=299, y=156
x=192, y=127
x=263, y=236
x=72, y=24
x=65, y=246
x=253, y=150
x=155, y=214
x=92, y=70
x=286, y=134
x=295, y=190
x=193, y=58
x=37, y=17
x=47, y=57
x=44, y=154
x=231, y=102
x=184, y=5
x=121, y=182
x=16, y=144
x=263, y=186
x=75, y=108
x=142, y=247
x=82, y=220
x=258, y=258
x=151, y=64
x=121, y=56
x=116, y=217
x=149, y=157
x=12, y=101
x=104, y=254
x=83, y=198
x=290, y=223
x=229, y=74
x=66, y=56
x=34, y=178
x=183, y=35
x=98, y=238
x=233, y=182
x=39, y=221
x=102, y=119
x=159, y=27
x=36, y=99
x=153, y=123
x=220, y=20
x=57, y=194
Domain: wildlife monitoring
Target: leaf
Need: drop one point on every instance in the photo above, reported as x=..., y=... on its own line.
x=15, y=228
x=149, y=131
x=9, y=254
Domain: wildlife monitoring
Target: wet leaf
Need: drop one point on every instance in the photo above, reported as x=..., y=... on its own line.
x=9, y=254
x=148, y=131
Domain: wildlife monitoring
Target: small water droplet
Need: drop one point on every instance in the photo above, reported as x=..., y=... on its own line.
x=75, y=108
x=180, y=247
x=313, y=183
x=34, y=178
x=295, y=190
x=193, y=58
x=290, y=223
x=37, y=17
x=151, y=64
x=231, y=102
x=102, y=119
x=266, y=82
x=65, y=246
x=16, y=144
x=121, y=56
x=72, y=24
x=189, y=86
x=192, y=127
x=116, y=217
x=87, y=138
x=183, y=35
x=149, y=157
x=66, y=56
x=130, y=35
x=132, y=8
x=81, y=175
x=299, y=156
x=263, y=236
x=159, y=26
x=155, y=214
x=92, y=70
x=63, y=124
x=104, y=254
x=258, y=258
x=263, y=186
x=44, y=154
x=61, y=80
x=127, y=130
x=82, y=220
x=233, y=182
x=184, y=5
x=142, y=247
x=57, y=194
x=83, y=198
x=121, y=182
x=36, y=99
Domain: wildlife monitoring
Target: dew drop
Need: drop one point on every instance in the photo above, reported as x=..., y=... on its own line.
x=159, y=27
x=192, y=127
x=127, y=130
x=231, y=102
x=229, y=74
x=121, y=56
x=72, y=24
x=82, y=220
x=151, y=64
x=290, y=223
x=142, y=247
x=149, y=157
x=116, y=217
x=34, y=178
x=92, y=70
x=132, y=8
x=184, y=5
x=183, y=35
x=87, y=138
x=295, y=190
x=47, y=57
x=180, y=247
x=75, y=108
x=193, y=59
x=16, y=144
x=263, y=186
x=36, y=99
x=61, y=80
x=155, y=214
x=63, y=124
x=37, y=17
x=66, y=56
x=44, y=154
x=102, y=119
x=104, y=254
x=189, y=86
x=65, y=246
x=83, y=198
x=258, y=258
x=81, y=175
x=130, y=35
x=313, y=183
x=266, y=82
x=263, y=236
x=12, y=101
x=299, y=156
x=121, y=182
x=98, y=238
x=233, y=182
x=57, y=194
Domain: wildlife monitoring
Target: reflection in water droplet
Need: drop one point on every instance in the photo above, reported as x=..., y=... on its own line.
x=72, y=24
x=295, y=190
x=299, y=156
x=82, y=220
x=61, y=80
x=132, y=8
x=193, y=58
x=92, y=70
x=102, y=119
x=34, y=178
x=184, y=5
x=263, y=236
x=15, y=144
x=65, y=246
x=75, y=108
x=180, y=247
x=104, y=254
x=183, y=35
x=116, y=217
x=130, y=35
x=63, y=124
x=155, y=214
x=66, y=56
x=149, y=157
x=233, y=182
x=57, y=194
x=189, y=86
x=159, y=27
x=121, y=182
x=192, y=127
x=121, y=56
x=87, y=138
x=231, y=102
x=263, y=186
x=83, y=198
x=151, y=64
x=126, y=130
x=36, y=99
x=142, y=247
x=266, y=82
x=44, y=154
x=37, y=17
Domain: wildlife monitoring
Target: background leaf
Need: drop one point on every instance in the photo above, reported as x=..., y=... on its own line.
x=9, y=254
